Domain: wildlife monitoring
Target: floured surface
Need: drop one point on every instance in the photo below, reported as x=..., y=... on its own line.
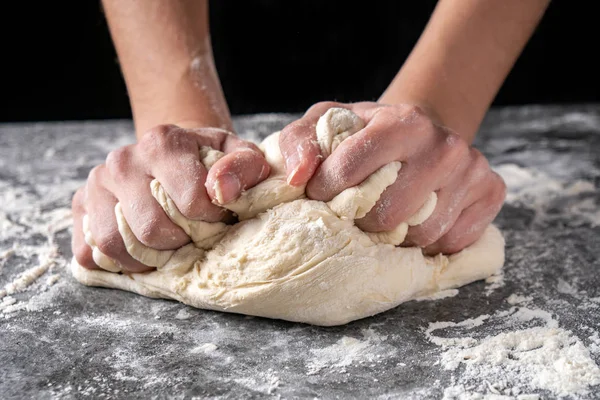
x=73, y=341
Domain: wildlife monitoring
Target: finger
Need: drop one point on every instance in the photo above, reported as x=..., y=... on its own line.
x=472, y=222
x=242, y=167
x=146, y=218
x=299, y=147
x=81, y=250
x=425, y=172
x=398, y=202
x=467, y=183
x=391, y=134
x=103, y=223
x=234, y=173
x=177, y=166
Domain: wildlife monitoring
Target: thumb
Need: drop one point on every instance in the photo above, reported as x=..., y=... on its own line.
x=242, y=167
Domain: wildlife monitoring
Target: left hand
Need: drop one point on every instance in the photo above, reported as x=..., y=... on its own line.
x=433, y=157
x=170, y=154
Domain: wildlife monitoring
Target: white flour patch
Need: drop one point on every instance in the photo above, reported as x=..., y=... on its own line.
x=494, y=282
x=205, y=348
x=595, y=342
x=183, y=314
x=524, y=183
x=265, y=382
x=535, y=189
x=348, y=350
x=513, y=362
x=567, y=288
x=514, y=299
x=24, y=289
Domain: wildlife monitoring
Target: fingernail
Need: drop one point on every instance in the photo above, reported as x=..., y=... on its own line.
x=292, y=175
x=227, y=187
x=291, y=162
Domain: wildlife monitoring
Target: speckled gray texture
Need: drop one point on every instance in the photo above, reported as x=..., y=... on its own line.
x=72, y=341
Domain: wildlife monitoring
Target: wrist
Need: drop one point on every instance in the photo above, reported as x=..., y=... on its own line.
x=192, y=96
x=450, y=111
x=183, y=119
x=396, y=98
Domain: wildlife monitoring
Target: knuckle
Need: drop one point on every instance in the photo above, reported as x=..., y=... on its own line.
x=154, y=234
x=78, y=200
x=110, y=243
x=194, y=204
x=480, y=161
x=157, y=138
x=118, y=162
x=411, y=113
x=479, y=167
x=410, y=119
x=246, y=146
x=415, y=111
x=95, y=175
x=455, y=148
x=498, y=190
x=384, y=117
x=159, y=131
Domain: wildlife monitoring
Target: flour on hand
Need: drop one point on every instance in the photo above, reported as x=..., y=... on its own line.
x=297, y=259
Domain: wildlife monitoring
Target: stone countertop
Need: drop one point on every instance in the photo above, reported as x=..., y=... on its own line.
x=60, y=339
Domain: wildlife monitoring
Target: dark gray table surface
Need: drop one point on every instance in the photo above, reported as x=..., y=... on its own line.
x=59, y=339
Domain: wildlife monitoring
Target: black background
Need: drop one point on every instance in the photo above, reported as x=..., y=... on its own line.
x=58, y=62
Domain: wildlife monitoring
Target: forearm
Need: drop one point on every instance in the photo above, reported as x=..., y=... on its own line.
x=166, y=58
x=463, y=57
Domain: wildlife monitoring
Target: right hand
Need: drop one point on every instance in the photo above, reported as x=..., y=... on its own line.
x=434, y=159
x=171, y=155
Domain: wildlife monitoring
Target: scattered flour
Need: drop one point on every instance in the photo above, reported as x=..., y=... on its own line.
x=514, y=299
x=595, y=343
x=204, y=348
x=7, y=302
x=25, y=279
x=527, y=184
x=567, y=288
x=265, y=382
x=348, y=350
x=494, y=282
x=41, y=226
x=514, y=363
x=183, y=314
x=535, y=189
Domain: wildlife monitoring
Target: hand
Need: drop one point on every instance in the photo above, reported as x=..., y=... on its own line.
x=433, y=158
x=171, y=155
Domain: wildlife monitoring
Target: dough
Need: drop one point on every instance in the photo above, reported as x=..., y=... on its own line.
x=293, y=258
